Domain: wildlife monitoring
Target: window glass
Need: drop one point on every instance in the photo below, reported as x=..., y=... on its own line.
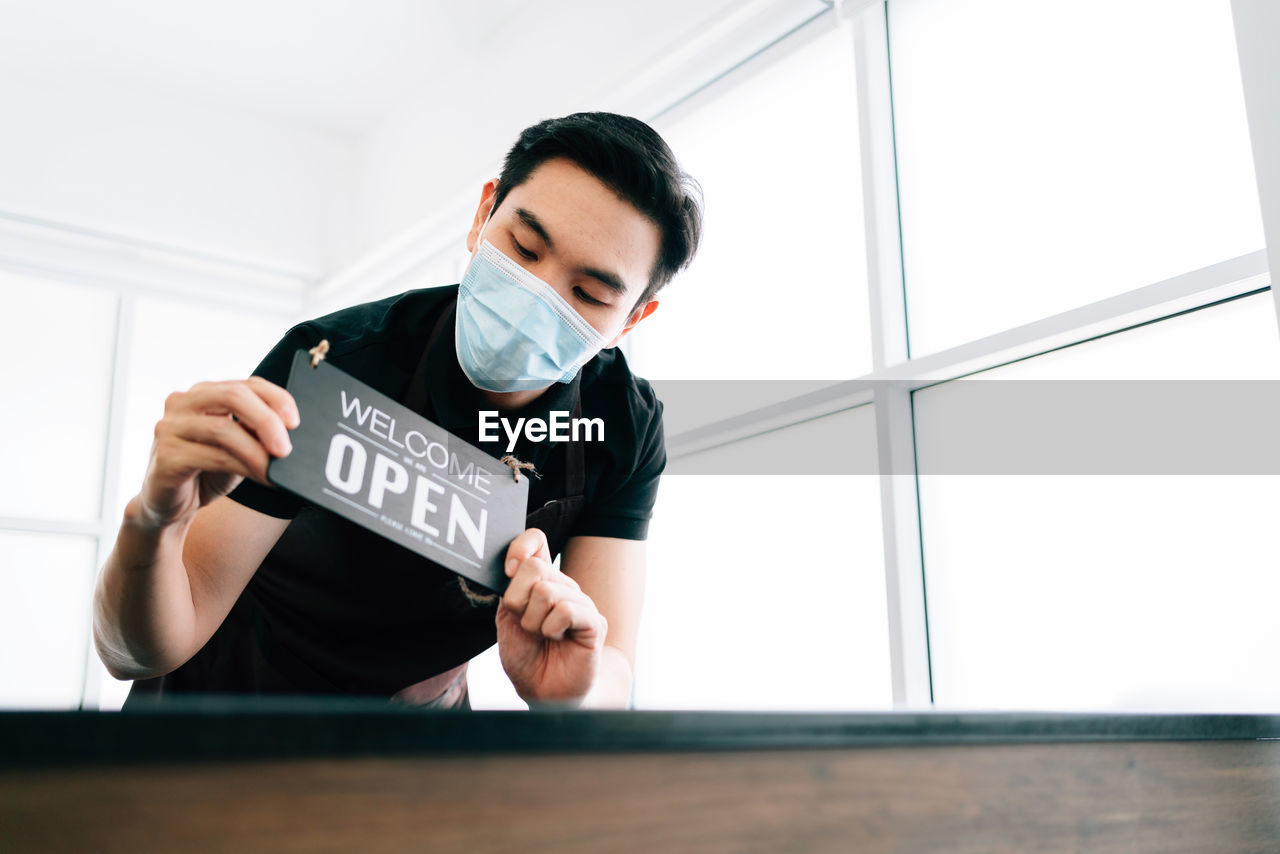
x=1051, y=155
x=766, y=591
x=176, y=345
x=1087, y=591
x=778, y=290
x=46, y=584
x=57, y=353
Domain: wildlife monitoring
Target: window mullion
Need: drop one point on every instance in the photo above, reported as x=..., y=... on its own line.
x=899, y=500
x=108, y=511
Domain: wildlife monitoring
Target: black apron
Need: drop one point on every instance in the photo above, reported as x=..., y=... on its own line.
x=253, y=650
x=554, y=518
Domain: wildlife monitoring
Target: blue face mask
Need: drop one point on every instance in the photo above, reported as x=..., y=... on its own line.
x=514, y=332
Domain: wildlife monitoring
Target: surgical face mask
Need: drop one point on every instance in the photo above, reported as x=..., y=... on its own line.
x=514, y=332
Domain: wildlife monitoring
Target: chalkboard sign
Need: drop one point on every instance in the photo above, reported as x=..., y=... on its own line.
x=372, y=460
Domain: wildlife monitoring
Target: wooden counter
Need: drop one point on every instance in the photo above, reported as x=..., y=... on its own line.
x=302, y=776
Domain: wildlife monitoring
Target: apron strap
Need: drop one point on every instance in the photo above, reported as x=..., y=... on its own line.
x=575, y=467
x=416, y=397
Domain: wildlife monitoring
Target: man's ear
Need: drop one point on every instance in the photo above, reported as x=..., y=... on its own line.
x=636, y=316
x=488, y=193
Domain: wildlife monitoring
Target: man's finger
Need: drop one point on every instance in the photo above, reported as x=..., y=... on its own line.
x=250, y=410
x=542, y=598
x=278, y=399
x=185, y=458
x=580, y=621
x=221, y=432
x=532, y=570
x=530, y=543
x=545, y=594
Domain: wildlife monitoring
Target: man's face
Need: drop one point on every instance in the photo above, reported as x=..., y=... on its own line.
x=570, y=230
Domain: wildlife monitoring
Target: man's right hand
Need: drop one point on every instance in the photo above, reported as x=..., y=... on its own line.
x=210, y=438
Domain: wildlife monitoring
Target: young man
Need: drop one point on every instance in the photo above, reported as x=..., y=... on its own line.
x=221, y=583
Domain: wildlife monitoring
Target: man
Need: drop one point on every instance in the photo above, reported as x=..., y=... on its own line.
x=220, y=583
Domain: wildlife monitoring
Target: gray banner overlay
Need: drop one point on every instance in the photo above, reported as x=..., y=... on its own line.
x=979, y=426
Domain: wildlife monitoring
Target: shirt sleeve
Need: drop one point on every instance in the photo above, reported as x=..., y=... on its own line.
x=624, y=510
x=272, y=500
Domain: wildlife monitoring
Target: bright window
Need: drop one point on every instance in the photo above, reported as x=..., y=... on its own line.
x=1053, y=154
x=778, y=290
x=46, y=582
x=1108, y=591
x=56, y=385
x=767, y=591
x=176, y=345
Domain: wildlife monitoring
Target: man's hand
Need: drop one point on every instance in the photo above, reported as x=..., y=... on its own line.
x=208, y=440
x=550, y=634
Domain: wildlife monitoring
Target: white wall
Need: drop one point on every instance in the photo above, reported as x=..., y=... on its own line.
x=103, y=154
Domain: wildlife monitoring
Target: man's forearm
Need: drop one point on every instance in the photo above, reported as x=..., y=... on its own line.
x=143, y=614
x=612, y=686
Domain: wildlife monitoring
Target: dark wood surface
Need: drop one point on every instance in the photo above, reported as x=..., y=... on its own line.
x=290, y=775
x=1170, y=796
x=277, y=728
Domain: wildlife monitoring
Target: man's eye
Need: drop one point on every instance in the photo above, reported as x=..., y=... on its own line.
x=586, y=297
x=524, y=253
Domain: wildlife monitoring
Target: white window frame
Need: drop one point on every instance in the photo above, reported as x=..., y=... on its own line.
x=896, y=375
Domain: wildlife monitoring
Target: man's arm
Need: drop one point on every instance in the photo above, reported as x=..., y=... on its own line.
x=184, y=554
x=164, y=592
x=610, y=572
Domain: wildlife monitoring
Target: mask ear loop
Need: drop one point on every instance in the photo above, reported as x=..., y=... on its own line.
x=480, y=237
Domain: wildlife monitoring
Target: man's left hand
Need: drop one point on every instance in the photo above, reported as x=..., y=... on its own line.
x=550, y=634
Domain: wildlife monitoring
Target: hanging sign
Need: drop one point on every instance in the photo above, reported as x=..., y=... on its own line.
x=377, y=463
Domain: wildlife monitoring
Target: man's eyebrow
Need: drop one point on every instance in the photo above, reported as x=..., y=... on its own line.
x=530, y=219
x=612, y=281
x=609, y=280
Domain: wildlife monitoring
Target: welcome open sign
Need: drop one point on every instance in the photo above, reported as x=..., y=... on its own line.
x=377, y=463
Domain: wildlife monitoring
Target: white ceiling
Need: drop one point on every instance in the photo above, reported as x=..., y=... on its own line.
x=341, y=65
x=336, y=64
x=306, y=134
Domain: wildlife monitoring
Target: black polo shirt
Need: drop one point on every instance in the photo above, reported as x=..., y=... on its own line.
x=335, y=608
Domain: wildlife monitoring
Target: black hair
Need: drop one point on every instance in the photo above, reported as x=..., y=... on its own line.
x=631, y=159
